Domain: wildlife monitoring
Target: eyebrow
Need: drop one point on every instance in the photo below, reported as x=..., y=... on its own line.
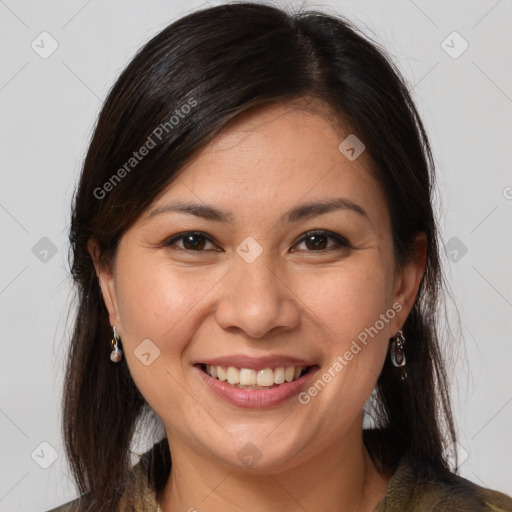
x=297, y=213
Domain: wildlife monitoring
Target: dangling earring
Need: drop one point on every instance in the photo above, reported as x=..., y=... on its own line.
x=397, y=353
x=117, y=354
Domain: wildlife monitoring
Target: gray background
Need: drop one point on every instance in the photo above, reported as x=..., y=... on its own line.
x=48, y=108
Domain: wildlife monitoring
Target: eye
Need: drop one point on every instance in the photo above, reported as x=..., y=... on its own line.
x=317, y=240
x=191, y=241
x=320, y=240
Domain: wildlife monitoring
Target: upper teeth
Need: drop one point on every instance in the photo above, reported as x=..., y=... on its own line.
x=249, y=377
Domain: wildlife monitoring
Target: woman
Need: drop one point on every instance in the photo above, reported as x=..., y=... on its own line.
x=257, y=265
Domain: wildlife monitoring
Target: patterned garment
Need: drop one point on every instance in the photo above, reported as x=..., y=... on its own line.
x=405, y=493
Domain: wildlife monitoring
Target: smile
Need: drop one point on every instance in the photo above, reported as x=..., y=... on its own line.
x=249, y=378
x=258, y=387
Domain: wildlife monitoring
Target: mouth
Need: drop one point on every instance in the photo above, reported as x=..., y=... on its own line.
x=250, y=378
x=261, y=386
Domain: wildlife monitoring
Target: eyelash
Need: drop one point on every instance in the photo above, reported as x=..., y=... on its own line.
x=341, y=242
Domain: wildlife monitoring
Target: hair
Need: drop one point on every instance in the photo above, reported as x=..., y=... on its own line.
x=188, y=82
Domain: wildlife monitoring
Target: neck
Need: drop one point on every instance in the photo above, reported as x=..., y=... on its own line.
x=337, y=478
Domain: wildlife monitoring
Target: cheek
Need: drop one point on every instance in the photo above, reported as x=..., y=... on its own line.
x=349, y=305
x=157, y=303
x=350, y=298
x=154, y=298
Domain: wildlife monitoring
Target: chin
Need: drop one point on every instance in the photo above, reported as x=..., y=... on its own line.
x=258, y=451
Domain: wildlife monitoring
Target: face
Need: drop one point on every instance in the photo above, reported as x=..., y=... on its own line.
x=268, y=259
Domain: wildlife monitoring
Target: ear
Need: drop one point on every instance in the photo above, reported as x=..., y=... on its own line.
x=106, y=280
x=408, y=279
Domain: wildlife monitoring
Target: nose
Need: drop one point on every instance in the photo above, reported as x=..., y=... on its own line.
x=256, y=300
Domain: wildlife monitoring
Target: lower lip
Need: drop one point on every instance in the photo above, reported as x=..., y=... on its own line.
x=256, y=398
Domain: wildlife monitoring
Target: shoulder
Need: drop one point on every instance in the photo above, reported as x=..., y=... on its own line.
x=459, y=495
x=407, y=492
x=139, y=486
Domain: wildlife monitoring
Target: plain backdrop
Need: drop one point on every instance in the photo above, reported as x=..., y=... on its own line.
x=59, y=59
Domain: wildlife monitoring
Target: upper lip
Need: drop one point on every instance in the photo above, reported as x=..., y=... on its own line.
x=255, y=363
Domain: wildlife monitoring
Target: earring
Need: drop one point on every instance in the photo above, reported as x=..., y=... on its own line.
x=117, y=354
x=397, y=353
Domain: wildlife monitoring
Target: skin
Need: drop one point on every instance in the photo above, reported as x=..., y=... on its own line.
x=293, y=300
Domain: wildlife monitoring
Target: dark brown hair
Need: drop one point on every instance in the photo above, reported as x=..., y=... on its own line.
x=220, y=62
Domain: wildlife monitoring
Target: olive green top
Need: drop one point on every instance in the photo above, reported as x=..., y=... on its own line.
x=406, y=491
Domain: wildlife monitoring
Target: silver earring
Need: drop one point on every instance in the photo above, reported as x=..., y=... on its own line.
x=397, y=353
x=117, y=354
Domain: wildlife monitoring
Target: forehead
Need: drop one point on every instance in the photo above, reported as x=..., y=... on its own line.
x=273, y=156
x=294, y=131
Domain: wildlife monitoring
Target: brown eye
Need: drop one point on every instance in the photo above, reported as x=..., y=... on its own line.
x=194, y=242
x=322, y=241
x=191, y=241
x=316, y=242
